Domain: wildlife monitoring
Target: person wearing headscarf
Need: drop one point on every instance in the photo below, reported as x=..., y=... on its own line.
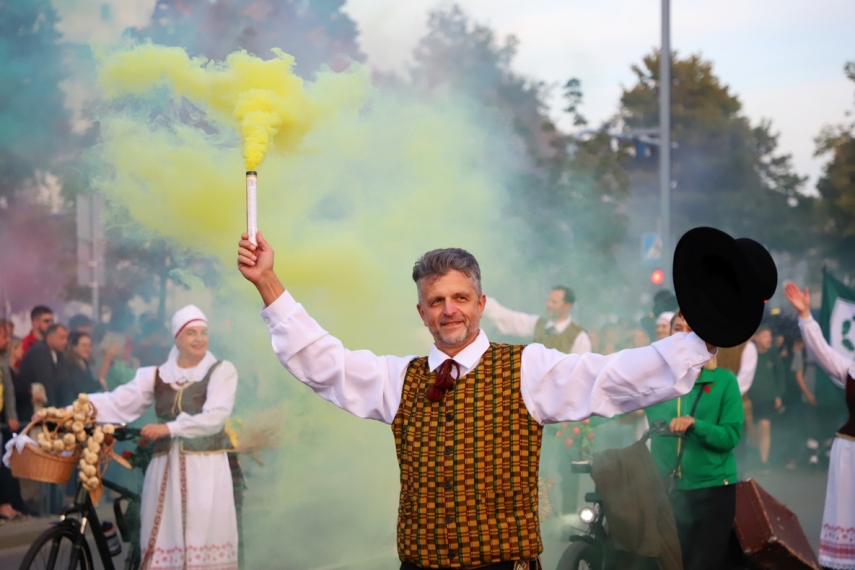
x=188, y=508
x=663, y=324
x=836, y=541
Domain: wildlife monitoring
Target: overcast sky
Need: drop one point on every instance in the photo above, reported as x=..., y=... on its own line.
x=783, y=58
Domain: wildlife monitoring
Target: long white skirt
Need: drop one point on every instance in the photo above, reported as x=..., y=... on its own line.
x=189, y=522
x=837, y=541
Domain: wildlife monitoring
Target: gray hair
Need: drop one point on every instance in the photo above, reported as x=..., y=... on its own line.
x=439, y=262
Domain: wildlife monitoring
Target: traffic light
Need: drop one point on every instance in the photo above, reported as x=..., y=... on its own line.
x=657, y=277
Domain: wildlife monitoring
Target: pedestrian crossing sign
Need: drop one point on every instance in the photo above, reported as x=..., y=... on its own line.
x=651, y=249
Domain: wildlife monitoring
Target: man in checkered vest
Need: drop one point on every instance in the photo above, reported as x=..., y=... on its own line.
x=468, y=417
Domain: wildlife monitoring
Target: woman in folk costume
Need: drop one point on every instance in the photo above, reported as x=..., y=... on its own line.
x=188, y=509
x=837, y=541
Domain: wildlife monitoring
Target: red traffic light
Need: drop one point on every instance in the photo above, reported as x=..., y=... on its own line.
x=657, y=277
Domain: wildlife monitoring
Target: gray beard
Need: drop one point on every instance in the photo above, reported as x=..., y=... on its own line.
x=454, y=341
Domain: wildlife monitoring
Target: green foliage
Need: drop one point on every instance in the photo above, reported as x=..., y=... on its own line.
x=564, y=189
x=836, y=187
x=728, y=173
x=315, y=32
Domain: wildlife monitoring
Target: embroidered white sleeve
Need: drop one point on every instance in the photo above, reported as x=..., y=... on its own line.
x=835, y=365
x=127, y=402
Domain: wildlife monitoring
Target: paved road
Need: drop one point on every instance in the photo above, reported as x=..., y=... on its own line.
x=11, y=558
x=801, y=491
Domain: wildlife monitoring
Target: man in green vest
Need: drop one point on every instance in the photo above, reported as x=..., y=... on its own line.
x=557, y=330
x=468, y=418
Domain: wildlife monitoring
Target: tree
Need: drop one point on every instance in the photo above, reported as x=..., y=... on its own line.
x=727, y=173
x=34, y=124
x=315, y=32
x=564, y=189
x=836, y=187
x=467, y=58
x=35, y=142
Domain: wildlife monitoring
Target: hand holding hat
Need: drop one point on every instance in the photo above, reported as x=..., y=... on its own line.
x=722, y=284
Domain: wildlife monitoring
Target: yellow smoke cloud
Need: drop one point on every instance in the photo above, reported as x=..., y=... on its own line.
x=262, y=99
x=347, y=220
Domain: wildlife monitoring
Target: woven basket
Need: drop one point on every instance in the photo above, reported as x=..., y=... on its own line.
x=38, y=465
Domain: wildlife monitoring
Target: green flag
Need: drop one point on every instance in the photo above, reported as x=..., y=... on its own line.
x=837, y=321
x=837, y=316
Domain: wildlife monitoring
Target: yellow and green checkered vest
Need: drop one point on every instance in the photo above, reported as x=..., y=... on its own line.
x=469, y=467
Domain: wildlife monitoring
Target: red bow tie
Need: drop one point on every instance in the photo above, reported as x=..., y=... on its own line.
x=444, y=380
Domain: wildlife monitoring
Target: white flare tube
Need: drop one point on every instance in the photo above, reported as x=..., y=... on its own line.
x=251, y=205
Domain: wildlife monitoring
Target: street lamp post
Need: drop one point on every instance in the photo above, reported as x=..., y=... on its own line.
x=665, y=137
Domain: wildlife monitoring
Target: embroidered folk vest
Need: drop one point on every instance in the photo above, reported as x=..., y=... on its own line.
x=848, y=428
x=469, y=467
x=562, y=341
x=190, y=399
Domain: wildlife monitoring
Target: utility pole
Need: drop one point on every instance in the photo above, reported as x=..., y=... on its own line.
x=665, y=140
x=90, y=247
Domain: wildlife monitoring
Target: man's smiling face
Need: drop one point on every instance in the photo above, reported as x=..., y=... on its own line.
x=450, y=307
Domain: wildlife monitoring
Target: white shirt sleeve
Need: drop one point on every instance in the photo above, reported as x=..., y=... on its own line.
x=219, y=401
x=127, y=402
x=747, y=367
x=835, y=365
x=558, y=387
x=507, y=321
x=364, y=384
x=582, y=344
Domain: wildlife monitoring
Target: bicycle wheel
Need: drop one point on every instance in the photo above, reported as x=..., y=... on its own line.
x=581, y=556
x=52, y=551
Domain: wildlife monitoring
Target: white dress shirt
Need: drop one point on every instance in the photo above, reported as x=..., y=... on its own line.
x=518, y=323
x=838, y=367
x=555, y=387
x=747, y=367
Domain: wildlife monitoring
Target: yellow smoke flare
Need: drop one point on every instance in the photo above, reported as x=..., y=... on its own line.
x=268, y=105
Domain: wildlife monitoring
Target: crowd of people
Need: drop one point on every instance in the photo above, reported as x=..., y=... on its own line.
x=54, y=363
x=762, y=413
x=752, y=405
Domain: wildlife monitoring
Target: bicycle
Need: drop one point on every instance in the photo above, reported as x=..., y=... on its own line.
x=593, y=549
x=64, y=546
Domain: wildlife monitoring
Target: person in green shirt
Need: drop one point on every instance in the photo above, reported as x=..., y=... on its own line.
x=703, y=496
x=767, y=390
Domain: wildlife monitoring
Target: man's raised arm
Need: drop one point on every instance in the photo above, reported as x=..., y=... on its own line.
x=364, y=384
x=561, y=387
x=508, y=321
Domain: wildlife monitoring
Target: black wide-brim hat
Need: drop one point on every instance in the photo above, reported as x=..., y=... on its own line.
x=722, y=284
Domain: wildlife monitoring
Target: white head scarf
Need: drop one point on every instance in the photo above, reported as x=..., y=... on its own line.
x=191, y=314
x=665, y=318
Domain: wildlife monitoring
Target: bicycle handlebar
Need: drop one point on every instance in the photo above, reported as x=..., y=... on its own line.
x=660, y=428
x=124, y=433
